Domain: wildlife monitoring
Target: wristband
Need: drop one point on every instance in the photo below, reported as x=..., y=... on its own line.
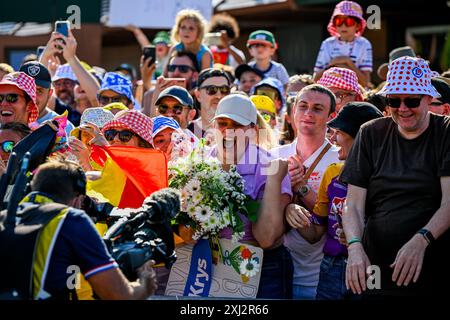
x=353, y=240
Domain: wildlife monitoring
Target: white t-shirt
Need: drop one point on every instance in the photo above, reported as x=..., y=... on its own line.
x=276, y=70
x=359, y=51
x=305, y=256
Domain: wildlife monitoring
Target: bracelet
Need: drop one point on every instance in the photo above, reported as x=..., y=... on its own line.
x=353, y=240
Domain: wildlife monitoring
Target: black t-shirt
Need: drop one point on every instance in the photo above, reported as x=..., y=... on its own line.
x=402, y=178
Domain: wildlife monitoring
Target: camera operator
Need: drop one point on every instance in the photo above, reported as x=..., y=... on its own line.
x=70, y=241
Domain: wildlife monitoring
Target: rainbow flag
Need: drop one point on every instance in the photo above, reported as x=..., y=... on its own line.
x=129, y=175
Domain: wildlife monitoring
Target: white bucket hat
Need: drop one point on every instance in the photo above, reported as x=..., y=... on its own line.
x=409, y=75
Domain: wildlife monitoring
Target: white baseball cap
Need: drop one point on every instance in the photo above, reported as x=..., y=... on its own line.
x=237, y=107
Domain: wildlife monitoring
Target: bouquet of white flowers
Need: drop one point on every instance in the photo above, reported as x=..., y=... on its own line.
x=211, y=196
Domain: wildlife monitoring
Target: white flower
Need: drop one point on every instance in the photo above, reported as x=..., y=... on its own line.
x=236, y=236
x=193, y=186
x=202, y=213
x=249, y=267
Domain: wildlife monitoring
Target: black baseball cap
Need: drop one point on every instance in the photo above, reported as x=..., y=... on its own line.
x=39, y=72
x=443, y=88
x=246, y=68
x=353, y=115
x=178, y=93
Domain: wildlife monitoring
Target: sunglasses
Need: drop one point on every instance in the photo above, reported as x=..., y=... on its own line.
x=181, y=67
x=268, y=93
x=267, y=116
x=212, y=90
x=348, y=21
x=408, y=102
x=107, y=100
x=8, y=146
x=124, y=135
x=436, y=104
x=10, y=97
x=163, y=109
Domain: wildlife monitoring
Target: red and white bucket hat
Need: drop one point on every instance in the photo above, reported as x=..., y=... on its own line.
x=350, y=9
x=27, y=84
x=341, y=78
x=409, y=75
x=133, y=120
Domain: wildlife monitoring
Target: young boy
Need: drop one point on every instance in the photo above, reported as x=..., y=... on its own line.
x=261, y=45
x=346, y=48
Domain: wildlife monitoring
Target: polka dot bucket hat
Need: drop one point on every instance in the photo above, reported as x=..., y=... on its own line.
x=409, y=75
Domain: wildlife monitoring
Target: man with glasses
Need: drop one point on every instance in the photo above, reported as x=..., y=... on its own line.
x=18, y=99
x=44, y=91
x=181, y=64
x=441, y=105
x=116, y=88
x=344, y=84
x=176, y=102
x=397, y=212
x=212, y=85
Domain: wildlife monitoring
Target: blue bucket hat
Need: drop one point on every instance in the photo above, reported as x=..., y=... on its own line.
x=160, y=123
x=273, y=83
x=118, y=83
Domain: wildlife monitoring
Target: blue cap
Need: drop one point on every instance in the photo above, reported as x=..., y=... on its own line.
x=273, y=83
x=161, y=122
x=117, y=83
x=179, y=93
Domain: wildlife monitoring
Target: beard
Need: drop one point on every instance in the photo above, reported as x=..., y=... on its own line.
x=66, y=97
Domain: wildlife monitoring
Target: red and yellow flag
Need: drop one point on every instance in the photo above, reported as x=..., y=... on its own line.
x=129, y=175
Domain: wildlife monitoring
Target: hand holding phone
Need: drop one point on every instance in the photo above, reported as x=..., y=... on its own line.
x=149, y=52
x=62, y=27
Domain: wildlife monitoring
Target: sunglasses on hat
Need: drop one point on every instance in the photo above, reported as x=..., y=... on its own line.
x=10, y=97
x=8, y=146
x=176, y=109
x=212, y=90
x=348, y=21
x=124, y=135
x=408, y=102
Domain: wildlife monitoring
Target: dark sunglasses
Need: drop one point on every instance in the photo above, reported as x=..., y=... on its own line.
x=436, y=104
x=107, y=100
x=212, y=90
x=124, y=135
x=408, y=102
x=8, y=146
x=183, y=68
x=177, y=109
x=348, y=21
x=10, y=97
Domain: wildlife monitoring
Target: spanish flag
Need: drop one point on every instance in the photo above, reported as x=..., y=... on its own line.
x=129, y=175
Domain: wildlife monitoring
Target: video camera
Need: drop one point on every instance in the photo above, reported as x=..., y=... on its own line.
x=145, y=233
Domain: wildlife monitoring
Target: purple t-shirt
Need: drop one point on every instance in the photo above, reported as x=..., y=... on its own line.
x=253, y=169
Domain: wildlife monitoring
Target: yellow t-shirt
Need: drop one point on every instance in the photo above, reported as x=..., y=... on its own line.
x=321, y=206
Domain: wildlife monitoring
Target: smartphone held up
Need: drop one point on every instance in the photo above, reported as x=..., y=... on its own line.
x=62, y=27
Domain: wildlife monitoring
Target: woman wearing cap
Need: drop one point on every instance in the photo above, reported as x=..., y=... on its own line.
x=326, y=216
x=266, y=181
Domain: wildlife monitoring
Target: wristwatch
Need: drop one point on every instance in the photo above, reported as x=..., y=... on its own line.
x=303, y=190
x=427, y=235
